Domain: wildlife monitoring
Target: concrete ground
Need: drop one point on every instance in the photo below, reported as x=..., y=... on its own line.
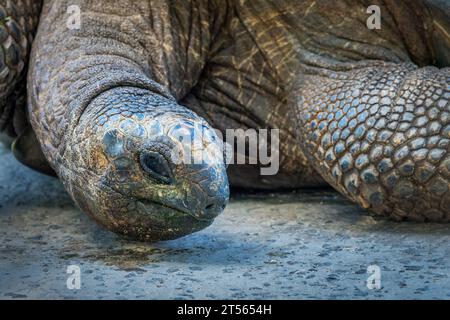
x=303, y=245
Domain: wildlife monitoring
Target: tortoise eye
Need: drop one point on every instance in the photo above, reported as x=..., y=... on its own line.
x=156, y=166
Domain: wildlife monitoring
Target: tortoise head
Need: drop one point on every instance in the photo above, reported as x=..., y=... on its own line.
x=150, y=169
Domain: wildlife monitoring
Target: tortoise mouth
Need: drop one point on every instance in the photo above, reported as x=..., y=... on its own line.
x=159, y=209
x=150, y=220
x=167, y=222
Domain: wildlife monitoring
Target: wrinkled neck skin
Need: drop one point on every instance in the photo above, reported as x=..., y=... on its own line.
x=140, y=44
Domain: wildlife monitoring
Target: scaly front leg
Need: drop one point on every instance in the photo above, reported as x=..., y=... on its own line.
x=380, y=134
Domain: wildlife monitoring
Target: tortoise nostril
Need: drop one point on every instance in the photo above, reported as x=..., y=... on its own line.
x=210, y=207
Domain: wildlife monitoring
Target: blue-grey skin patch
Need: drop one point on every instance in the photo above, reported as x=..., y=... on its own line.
x=127, y=125
x=139, y=132
x=140, y=116
x=155, y=129
x=113, y=144
x=181, y=130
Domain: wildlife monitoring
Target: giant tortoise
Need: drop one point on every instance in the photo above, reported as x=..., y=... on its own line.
x=112, y=85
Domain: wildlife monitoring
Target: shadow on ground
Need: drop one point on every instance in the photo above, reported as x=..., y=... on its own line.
x=307, y=244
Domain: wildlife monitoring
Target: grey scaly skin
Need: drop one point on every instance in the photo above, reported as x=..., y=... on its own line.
x=360, y=109
x=18, y=22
